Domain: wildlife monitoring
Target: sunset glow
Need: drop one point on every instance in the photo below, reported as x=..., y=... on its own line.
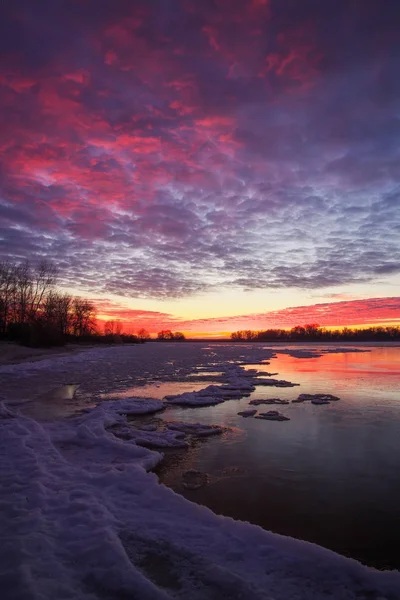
x=206, y=166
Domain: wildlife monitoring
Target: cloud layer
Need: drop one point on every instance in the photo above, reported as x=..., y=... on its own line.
x=160, y=149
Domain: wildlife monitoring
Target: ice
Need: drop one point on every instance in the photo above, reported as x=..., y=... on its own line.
x=196, y=429
x=148, y=427
x=247, y=413
x=272, y=415
x=193, y=480
x=131, y=406
x=316, y=398
x=258, y=401
x=194, y=399
x=319, y=401
x=210, y=395
x=275, y=382
x=149, y=438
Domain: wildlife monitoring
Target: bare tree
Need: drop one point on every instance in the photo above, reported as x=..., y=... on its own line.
x=43, y=278
x=168, y=335
x=109, y=327
x=143, y=334
x=83, y=317
x=7, y=293
x=57, y=311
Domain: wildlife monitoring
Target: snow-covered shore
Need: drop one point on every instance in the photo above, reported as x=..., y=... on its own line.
x=82, y=518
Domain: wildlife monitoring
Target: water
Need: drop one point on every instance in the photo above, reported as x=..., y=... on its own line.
x=330, y=475
x=157, y=390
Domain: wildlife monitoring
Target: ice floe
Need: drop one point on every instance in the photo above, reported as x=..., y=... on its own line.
x=194, y=399
x=275, y=382
x=193, y=480
x=272, y=415
x=258, y=401
x=316, y=398
x=196, y=429
x=250, y=412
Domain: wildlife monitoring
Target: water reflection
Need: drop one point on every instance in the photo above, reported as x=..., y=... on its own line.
x=158, y=389
x=54, y=404
x=330, y=474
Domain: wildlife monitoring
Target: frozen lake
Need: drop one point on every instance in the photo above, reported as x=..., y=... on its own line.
x=330, y=475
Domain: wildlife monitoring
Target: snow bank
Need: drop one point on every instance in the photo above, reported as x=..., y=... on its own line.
x=81, y=518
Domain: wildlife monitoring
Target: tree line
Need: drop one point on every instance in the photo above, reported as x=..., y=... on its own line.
x=166, y=335
x=34, y=311
x=312, y=332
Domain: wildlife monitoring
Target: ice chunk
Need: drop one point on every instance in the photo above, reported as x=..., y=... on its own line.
x=148, y=427
x=275, y=382
x=257, y=401
x=150, y=439
x=316, y=398
x=196, y=429
x=319, y=401
x=272, y=415
x=193, y=399
x=193, y=480
x=247, y=413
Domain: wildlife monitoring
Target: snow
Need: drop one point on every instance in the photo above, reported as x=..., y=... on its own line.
x=81, y=516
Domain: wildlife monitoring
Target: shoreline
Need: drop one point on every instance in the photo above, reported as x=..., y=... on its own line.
x=12, y=353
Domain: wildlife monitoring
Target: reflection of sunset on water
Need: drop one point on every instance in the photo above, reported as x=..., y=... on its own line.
x=330, y=474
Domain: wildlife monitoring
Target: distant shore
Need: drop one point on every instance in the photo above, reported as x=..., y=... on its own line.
x=13, y=354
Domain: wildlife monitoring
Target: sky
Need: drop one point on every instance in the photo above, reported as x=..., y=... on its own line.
x=206, y=165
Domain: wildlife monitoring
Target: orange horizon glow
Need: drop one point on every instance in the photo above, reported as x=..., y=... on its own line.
x=371, y=312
